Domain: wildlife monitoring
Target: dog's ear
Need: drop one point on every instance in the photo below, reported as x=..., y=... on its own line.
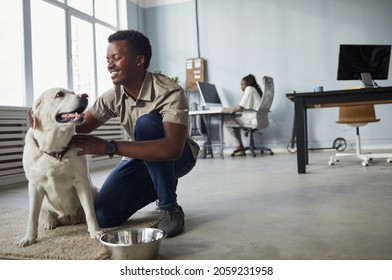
x=34, y=115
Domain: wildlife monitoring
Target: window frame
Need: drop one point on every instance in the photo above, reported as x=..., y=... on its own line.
x=69, y=13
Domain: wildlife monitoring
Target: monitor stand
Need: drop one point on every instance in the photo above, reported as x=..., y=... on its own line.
x=367, y=80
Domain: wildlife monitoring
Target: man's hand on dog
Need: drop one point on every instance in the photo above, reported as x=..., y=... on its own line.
x=88, y=144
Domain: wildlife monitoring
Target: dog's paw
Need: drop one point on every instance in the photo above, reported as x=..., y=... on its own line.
x=26, y=241
x=50, y=225
x=96, y=234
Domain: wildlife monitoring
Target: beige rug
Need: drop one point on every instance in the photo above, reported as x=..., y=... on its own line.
x=63, y=243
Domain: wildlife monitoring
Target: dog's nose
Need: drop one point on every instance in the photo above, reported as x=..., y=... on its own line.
x=83, y=96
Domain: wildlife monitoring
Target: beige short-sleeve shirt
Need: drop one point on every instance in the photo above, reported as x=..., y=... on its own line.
x=158, y=94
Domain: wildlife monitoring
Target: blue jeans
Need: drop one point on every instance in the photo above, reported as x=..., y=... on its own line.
x=135, y=183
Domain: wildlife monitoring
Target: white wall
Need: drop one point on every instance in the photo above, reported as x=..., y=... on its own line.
x=294, y=41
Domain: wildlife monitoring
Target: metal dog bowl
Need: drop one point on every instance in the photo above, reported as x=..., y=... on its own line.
x=133, y=244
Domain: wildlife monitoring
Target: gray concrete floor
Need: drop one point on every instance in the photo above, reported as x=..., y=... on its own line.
x=261, y=208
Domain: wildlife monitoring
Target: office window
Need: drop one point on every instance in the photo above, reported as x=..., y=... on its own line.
x=49, y=46
x=104, y=80
x=82, y=56
x=105, y=10
x=85, y=6
x=66, y=47
x=11, y=64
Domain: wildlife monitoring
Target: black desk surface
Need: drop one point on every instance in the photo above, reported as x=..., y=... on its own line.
x=333, y=98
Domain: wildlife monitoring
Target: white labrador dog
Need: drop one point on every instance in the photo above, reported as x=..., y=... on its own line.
x=60, y=189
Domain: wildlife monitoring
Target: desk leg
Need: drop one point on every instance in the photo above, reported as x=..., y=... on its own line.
x=300, y=126
x=306, y=136
x=208, y=128
x=221, y=134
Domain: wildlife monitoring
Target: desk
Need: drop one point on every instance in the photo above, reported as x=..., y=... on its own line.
x=315, y=100
x=207, y=114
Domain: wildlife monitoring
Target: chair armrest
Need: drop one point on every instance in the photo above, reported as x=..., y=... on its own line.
x=248, y=110
x=238, y=113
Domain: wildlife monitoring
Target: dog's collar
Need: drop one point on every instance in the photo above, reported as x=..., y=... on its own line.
x=57, y=155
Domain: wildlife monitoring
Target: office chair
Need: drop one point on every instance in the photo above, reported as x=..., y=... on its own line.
x=261, y=116
x=357, y=116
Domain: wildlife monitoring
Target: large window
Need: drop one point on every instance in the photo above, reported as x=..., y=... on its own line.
x=105, y=10
x=49, y=47
x=104, y=80
x=54, y=43
x=11, y=63
x=86, y=6
x=82, y=56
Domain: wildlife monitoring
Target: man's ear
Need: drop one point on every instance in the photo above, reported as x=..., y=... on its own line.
x=34, y=115
x=140, y=60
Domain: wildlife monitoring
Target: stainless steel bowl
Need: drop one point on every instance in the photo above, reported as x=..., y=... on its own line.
x=133, y=244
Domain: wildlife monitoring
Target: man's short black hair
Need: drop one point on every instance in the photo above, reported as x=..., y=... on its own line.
x=137, y=41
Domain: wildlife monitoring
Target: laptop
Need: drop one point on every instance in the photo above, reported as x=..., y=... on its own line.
x=210, y=99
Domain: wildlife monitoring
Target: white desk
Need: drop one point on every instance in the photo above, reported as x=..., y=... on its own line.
x=207, y=114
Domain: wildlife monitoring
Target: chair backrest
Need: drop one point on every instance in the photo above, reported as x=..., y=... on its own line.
x=266, y=102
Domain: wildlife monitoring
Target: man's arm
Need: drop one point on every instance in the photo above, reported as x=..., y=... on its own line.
x=169, y=147
x=90, y=124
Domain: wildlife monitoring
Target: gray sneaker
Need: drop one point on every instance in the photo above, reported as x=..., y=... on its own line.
x=171, y=221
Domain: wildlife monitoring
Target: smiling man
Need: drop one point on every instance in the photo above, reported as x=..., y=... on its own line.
x=154, y=112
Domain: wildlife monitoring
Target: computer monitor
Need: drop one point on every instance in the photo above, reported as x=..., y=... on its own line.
x=364, y=62
x=209, y=95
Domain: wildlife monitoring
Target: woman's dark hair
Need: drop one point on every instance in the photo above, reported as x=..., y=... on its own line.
x=137, y=42
x=250, y=80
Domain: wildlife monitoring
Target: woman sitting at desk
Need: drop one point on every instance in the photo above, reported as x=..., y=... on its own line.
x=251, y=99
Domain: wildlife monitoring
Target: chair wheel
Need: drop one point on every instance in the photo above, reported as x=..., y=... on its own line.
x=339, y=144
x=365, y=163
x=389, y=160
x=332, y=161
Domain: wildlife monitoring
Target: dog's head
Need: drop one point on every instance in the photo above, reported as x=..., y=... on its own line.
x=58, y=107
